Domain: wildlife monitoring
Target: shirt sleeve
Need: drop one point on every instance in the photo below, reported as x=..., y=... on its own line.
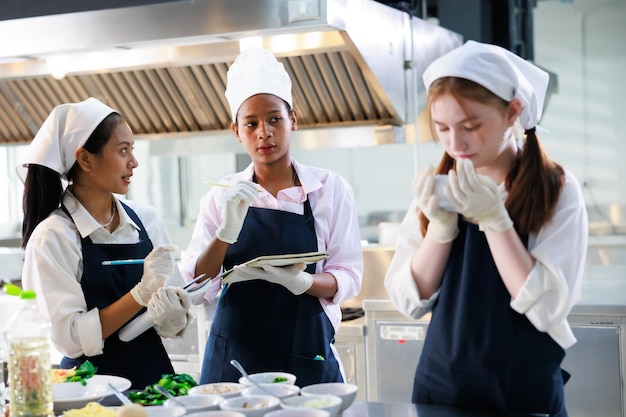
x=52, y=268
x=554, y=284
x=399, y=281
x=341, y=237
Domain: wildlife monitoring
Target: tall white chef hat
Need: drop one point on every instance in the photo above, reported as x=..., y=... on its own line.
x=256, y=71
x=500, y=71
x=66, y=129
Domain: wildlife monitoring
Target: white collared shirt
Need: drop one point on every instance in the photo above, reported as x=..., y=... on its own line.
x=336, y=227
x=53, y=268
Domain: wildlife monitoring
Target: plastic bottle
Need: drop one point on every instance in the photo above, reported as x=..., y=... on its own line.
x=28, y=336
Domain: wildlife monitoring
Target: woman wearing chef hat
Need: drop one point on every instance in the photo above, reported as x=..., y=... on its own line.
x=270, y=318
x=68, y=233
x=501, y=267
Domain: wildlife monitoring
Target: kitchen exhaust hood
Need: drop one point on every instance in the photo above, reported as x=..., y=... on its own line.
x=352, y=62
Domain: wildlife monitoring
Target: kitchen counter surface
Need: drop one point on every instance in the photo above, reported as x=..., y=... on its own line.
x=377, y=409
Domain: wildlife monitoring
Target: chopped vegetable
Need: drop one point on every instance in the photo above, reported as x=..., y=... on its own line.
x=85, y=371
x=175, y=384
x=81, y=374
x=279, y=379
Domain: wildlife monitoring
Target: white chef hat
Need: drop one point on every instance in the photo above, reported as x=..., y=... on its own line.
x=256, y=71
x=66, y=129
x=500, y=71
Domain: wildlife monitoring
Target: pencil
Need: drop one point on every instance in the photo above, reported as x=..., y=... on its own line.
x=123, y=262
x=217, y=184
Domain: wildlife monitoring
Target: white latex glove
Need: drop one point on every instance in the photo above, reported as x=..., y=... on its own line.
x=237, y=200
x=168, y=309
x=442, y=226
x=158, y=267
x=478, y=197
x=291, y=277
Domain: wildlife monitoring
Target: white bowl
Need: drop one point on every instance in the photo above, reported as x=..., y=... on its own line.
x=347, y=392
x=164, y=411
x=269, y=378
x=254, y=406
x=216, y=413
x=223, y=389
x=298, y=412
x=330, y=403
x=195, y=403
x=277, y=390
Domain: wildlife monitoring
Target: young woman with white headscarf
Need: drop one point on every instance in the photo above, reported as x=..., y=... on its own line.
x=501, y=268
x=69, y=231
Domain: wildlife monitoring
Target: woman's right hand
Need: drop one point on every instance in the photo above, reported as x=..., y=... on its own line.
x=237, y=200
x=442, y=226
x=158, y=267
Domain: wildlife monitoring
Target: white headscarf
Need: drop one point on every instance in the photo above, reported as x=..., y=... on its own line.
x=500, y=71
x=256, y=71
x=66, y=129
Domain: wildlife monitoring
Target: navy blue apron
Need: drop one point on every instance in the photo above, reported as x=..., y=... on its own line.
x=263, y=325
x=479, y=352
x=143, y=360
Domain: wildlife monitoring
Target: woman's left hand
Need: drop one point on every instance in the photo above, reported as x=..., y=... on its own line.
x=168, y=309
x=478, y=197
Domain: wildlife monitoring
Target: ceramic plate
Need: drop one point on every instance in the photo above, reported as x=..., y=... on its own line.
x=97, y=388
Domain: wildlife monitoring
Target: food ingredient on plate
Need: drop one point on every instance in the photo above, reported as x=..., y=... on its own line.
x=220, y=388
x=253, y=405
x=91, y=409
x=279, y=379
x=175, y=384
x=81, y=374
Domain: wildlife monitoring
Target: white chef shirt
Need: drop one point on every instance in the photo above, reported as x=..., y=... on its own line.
x=553, y=285
x=336, y=227
x=53, y=268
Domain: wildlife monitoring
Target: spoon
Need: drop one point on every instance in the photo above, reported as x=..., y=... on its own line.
x=120, y=396
x=165, y=392
x=243, y=372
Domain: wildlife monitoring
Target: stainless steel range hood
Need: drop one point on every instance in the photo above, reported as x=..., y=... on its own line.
x=352, y=62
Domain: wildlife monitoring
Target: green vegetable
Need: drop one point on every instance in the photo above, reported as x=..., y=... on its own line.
x=85, y=371
x=280, y=379
x=175, y=384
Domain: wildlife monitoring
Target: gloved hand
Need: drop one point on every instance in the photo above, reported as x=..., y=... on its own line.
x=291, y=277
x=158, y=267
x=238, y=199
x=478, y=197
x=442, y=226
x=168, y=309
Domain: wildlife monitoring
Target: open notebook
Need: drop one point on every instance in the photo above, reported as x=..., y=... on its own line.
x=143, y=322
x=281, y=260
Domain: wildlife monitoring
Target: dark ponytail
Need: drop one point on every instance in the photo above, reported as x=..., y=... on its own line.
x=42, y=195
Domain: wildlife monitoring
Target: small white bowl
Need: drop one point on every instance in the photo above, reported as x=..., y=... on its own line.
x=164, y=411
x=269, y=378
x=330, y=403
x=196, y=403
x=223, y=389
x=298, y=412
x=277, y=390
x=216, y=413
x=347, y=392
x=254, y=406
